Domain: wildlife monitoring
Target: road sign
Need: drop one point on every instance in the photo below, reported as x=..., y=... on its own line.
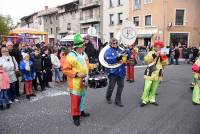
x=92, y=31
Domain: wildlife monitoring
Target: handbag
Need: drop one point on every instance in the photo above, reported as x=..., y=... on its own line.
x=17, y=72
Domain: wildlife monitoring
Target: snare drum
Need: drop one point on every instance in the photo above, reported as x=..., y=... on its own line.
x=97, y=81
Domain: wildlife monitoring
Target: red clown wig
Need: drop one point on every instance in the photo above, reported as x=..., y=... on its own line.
x=158, y=44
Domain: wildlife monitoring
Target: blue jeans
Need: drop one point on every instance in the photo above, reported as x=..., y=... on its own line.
x=4, y=97
x=176, y=61
x=57, y=74
x=171, y=60
x=12, y=91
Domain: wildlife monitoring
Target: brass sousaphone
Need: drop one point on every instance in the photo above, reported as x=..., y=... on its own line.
x=126, y=36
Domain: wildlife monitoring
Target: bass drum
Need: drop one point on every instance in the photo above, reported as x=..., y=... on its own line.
x=98, y=81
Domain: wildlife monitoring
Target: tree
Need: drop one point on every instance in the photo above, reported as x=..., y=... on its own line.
x=6, y=24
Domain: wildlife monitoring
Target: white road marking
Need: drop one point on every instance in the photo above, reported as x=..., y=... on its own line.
x=48, y=93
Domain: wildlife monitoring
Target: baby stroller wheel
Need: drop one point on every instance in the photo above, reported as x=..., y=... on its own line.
x=4, y=106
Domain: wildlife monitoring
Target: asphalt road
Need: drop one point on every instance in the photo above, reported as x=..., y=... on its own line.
x=49, y=112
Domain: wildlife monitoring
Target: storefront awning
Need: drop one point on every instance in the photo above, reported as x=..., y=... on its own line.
x=24, y=30
x=146, y=32
x=144, y=35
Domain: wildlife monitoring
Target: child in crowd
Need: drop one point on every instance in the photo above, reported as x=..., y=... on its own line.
x=4, y=86
x=26, y=67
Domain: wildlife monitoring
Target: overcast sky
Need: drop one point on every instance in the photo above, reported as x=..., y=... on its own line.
x=20, y=8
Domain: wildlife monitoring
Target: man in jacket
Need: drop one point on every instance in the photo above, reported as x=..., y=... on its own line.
x=37, y=64
x=91, y=52
x=46, y=67
x=113, y=55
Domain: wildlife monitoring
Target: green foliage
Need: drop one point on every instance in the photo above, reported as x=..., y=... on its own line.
x=6, y=24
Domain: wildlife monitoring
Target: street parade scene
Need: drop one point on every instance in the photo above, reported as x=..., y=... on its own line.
x=100, y=67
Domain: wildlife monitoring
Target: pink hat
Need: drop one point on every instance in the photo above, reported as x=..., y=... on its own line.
x=86, y=37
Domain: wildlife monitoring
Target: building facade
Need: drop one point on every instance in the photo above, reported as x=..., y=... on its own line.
x=49, y=17
x=30, y=21
x=173, y=21
x=69, y=18
x=90, y=16
x=114, y=12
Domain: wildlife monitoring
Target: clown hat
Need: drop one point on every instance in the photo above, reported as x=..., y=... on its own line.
x=78, y=41
x=158, y=44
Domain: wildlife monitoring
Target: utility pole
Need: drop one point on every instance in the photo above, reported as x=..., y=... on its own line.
x=164, y=24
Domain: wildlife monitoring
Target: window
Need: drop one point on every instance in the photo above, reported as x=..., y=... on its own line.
x=97, y=27
x=51, y=30
x=40, y=21
x=136, y=21
x=110, y=4
x=148, y=20
x=56, y=17
x=68, y=26
x=57, y=29
x=179, y=17
x=137, y=4
x=51, y=20
x=46, y=19
x=111, y=35
x=179, y=38
x=147, y=1
x=119, y=2
x=111, y=19
x=120, y=18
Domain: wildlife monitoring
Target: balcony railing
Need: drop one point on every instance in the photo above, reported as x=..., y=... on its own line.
x=90, y=3
x=88, y=19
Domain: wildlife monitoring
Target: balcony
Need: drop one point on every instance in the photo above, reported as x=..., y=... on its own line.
x=90, y=19
x=90, y=4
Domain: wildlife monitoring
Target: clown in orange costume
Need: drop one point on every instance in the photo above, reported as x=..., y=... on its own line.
x=76, y=67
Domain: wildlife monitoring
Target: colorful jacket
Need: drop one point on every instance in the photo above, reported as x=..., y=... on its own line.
x=196, y=69
x=110, y=57
x=133, y=57
x=76, y=63
x=151, y=59
x=4, y=80
x=27, y=75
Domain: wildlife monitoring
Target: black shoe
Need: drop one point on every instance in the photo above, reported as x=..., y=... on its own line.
x=33, y=95
x=17, y=95
x=28, y=97
x=36, y=89
x=119, y=104
x=49, y=86
x=43, y=89
x=76, y=120
x=142, y=104
x=195, y=103
x=109, y=101
x=84, y=114
x=154, y=103
x=127, y=80
x=131, y=81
